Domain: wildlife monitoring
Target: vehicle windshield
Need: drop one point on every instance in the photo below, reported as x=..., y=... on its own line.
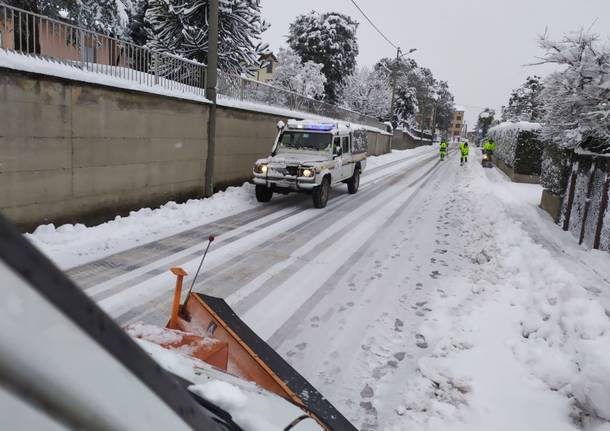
x=305, y=140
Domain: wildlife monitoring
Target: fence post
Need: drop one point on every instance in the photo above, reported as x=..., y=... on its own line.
x=573, y=176
x=603, y=207
x=156, y=70
x=82, y=49
x=587, y=201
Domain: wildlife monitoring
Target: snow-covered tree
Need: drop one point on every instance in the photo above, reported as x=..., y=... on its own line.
x=328, y=39
x=406, y=103
x=406, y=106
x=138, y=29
x=577, y=98
x=50, y=8
x=417, y=91
x=181, y=27
x=525, y=103
x=444, y=105
x=367, y=92
x=104, y=16
x=485, y=121
x=304, y=78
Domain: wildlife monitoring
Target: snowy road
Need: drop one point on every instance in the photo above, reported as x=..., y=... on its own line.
x=396, y=302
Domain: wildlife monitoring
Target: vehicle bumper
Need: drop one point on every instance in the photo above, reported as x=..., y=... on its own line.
x=292, y=184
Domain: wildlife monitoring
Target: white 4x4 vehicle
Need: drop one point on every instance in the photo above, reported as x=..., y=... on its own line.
x=312, y=157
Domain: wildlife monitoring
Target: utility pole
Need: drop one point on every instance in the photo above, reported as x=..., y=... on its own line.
x=394, y=79
x=433, y=119
x=210, y=93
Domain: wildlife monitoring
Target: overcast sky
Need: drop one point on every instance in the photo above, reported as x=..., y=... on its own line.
x=478, y=46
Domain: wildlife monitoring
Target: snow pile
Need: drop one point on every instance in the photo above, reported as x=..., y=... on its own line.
x=70, y=245
x=223, y=394
x=233, y=399
x=518, y=342
x=566, y=334
x=154, y=333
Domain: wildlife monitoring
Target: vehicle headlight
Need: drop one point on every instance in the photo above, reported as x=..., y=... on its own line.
x=261, y=168
x=307, y=172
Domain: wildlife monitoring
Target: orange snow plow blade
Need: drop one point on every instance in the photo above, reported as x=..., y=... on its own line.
x=216, y=335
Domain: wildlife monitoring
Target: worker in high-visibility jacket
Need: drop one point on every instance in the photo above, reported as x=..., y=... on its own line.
x=464, y=150
x=489, y=146
x=443, y=149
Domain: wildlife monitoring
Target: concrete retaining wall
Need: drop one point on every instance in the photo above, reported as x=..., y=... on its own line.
x=242, y=137
x=72, y=152
x=77, y=152
x=551, y=203
x=404, y=141
x=515, y=177
x=378, y=143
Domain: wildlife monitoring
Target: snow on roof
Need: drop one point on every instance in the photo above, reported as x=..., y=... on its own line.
x=459, y=108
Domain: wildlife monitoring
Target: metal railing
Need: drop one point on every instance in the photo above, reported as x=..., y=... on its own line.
x=39, y=36
x=250, y=90
x=60, y=41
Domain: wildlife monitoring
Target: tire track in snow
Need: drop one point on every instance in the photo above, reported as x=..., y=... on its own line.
x=132, y=301
x=275, y=309
x=218, y=269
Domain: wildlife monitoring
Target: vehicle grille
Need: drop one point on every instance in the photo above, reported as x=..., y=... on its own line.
x=291, y=170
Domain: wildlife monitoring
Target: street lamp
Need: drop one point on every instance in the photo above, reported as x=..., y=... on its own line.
x=395, y=77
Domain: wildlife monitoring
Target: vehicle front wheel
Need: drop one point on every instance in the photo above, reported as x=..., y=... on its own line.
x=263, y=194
x=354, y=182
x=320, y=194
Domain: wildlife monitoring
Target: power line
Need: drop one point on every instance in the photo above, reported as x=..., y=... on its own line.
x=373, y=24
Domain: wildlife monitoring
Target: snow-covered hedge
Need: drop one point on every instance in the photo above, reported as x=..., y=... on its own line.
x=555, y=169
x=518, y=146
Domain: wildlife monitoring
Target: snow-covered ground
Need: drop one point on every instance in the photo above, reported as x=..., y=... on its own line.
x=519, y=334
x=436, y=298
x=71, y=245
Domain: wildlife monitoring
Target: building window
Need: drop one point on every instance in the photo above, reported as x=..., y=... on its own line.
x=458, y=118
x=270, y=67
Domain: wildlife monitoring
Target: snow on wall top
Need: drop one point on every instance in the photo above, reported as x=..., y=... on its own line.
x=24, y=63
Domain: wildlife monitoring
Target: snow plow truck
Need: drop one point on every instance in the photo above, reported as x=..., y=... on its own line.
x=65, y=364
